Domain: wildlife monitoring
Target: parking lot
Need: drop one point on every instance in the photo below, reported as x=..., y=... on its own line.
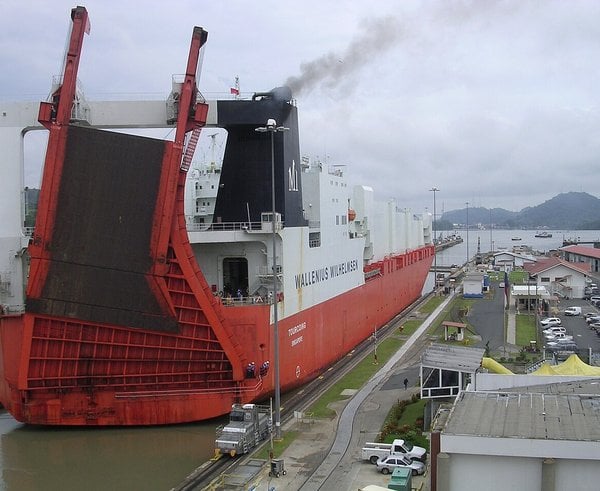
x=577, y=327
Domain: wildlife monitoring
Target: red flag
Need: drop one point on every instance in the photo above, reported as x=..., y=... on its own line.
x=235, y=91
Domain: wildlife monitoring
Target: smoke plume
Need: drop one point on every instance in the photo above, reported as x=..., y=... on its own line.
x=375, y=37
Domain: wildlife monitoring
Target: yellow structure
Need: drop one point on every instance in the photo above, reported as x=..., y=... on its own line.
x=493, y=366
x=571, y=366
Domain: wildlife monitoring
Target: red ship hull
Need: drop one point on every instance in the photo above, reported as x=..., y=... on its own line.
x=125, y=383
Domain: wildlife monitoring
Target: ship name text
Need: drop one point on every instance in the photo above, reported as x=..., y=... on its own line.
x=325, y=273
x=292, y=331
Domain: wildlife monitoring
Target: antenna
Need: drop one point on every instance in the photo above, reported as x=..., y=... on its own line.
x=213, y=144
x=235, y=90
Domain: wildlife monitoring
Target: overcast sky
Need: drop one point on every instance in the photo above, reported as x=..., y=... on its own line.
x=494, y=103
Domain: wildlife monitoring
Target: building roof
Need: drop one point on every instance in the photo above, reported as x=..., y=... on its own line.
x=514, y=255
x=582, y=251
x=538, y=416
x=529, y=291
x=456, y=358
x=552, y=262
x=584, y=385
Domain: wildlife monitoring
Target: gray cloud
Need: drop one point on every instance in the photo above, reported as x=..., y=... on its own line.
x=494, y=102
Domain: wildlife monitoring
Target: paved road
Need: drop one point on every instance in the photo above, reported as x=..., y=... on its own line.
x=487, y=317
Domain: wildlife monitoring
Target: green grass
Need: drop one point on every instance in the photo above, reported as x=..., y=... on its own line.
x=409, y=327
x=496, y=275
x=356, y=378
x=401, y=422
x=413, y=412
x=279, y=446
x=526, y=329
x=432, y=304
x=518, y=277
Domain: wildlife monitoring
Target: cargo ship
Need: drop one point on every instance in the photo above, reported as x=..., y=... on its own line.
x=138, y=313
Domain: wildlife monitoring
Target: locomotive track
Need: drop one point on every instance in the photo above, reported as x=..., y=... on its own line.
x=207, y=475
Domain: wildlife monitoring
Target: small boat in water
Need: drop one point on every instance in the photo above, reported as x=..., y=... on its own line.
x=516, y=238
x=543, y=235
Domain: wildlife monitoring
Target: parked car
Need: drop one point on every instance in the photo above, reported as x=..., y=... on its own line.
x=573, y=311
x=387, y=464
x=554, y=330
x=593, y=318
x=560, y=343
x=594, y=298
x=558, y=336
x=551, y=321
x=373, y=451
x=595, y=326
x=564, y=346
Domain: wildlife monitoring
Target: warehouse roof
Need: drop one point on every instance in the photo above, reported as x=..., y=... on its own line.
x=457, y=358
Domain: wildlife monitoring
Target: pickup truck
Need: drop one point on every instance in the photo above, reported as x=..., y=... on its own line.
x=375, y=451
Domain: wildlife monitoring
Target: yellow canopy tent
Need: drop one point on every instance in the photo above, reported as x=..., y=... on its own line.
x=545, y=369
x=571, y=366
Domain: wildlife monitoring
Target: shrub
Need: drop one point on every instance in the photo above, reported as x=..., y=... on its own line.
x=398, y=426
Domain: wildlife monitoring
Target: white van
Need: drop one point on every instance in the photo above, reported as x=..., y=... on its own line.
x=573, y=311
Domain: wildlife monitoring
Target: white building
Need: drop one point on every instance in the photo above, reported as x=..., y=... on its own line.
x=507, y=261
x=473, y=285
x=533, y=439
x=582, y=254
x=561, y=278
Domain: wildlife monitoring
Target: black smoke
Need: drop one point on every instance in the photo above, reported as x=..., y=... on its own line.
x=374, y=37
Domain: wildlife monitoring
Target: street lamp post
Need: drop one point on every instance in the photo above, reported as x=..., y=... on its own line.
x=491, y=228
x=467, y=234
x=434, y=190
x=272, y=128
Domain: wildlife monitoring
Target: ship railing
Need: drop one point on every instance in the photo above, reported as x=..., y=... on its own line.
x=10, y=309
x=230, y=301
x=249, y=300
x=224, y=226
x=251, y=386
x=266, y=273
x=372, y=273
